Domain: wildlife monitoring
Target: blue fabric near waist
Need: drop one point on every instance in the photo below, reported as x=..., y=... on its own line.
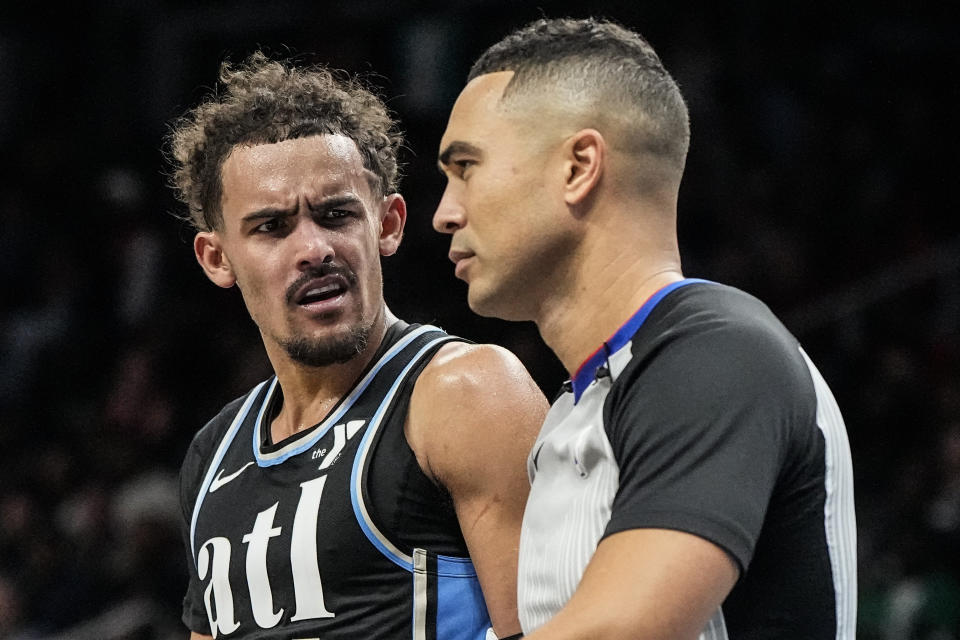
x=461, y=610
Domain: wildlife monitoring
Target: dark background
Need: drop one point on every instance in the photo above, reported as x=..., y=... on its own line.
x=820, y=179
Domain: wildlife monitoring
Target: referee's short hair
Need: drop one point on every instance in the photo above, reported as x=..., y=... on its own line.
x=612, y=71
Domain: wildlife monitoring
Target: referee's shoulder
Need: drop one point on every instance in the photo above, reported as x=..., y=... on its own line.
x=722, y=310
x=728, y=334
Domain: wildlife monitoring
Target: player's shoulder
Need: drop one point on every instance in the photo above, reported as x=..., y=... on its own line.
x=464, y=367
x=473, y=382
x=471, y=403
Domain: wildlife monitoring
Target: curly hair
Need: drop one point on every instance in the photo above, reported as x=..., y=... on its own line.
x=602, y=60
x=263, y=101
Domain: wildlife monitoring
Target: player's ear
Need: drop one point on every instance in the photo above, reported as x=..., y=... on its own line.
x=392, y=220
x=208, y=247
x=584, y=157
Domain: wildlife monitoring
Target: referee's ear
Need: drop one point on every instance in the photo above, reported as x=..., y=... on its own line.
x=209, y=251
x=584, y=157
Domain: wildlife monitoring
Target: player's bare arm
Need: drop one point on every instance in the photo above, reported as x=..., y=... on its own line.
x=653, y=584
x=196, y=636
x=474, y=415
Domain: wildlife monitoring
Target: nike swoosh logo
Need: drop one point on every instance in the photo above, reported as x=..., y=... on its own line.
x=219, y=481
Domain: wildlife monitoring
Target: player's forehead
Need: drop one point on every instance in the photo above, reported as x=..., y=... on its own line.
x=477, y=110
x=327, y=153
x=313, y=166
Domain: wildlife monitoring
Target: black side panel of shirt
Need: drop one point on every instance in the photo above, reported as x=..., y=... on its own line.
x=713, y=424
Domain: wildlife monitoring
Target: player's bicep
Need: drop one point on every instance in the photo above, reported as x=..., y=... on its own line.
x=473, y=417
x=491, y=529
x=196, y=636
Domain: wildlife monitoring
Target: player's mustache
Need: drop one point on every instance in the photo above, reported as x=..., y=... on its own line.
x=319, y=271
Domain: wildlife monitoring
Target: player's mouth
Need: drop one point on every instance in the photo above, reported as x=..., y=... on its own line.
x=320, y=294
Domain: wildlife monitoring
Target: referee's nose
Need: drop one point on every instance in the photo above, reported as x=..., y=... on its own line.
x=449, y=216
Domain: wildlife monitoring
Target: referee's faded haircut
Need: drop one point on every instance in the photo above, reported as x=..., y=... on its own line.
x=604, y=64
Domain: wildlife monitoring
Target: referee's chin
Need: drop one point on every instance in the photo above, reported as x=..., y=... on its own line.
x=496, y=305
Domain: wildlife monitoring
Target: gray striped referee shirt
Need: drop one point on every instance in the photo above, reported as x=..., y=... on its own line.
x=701, y=414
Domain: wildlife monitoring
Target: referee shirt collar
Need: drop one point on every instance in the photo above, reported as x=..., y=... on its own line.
x=596, y=366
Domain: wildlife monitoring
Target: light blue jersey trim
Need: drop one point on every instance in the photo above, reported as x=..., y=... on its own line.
x=455, y=567
x=461, y=609
x=217, y=459
x=376, y=538
x=301, y=445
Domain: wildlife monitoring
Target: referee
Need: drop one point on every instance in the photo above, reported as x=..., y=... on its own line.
x=693, y=479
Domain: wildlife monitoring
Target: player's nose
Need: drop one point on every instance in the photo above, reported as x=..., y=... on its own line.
x=312, y=244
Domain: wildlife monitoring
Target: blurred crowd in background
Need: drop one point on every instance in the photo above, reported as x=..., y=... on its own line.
x=818, y=179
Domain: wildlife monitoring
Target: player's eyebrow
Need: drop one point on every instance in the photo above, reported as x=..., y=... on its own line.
x=267, y=212
x=457, y=147
x=325, y=204
x=332, y=202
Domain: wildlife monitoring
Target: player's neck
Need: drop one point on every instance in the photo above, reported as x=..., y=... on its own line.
x=309, y=393
x=579, y=319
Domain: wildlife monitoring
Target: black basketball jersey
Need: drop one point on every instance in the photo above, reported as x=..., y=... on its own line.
x=334, y=532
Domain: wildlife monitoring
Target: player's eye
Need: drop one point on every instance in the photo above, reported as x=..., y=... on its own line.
x=335, y=216
x=268, y=226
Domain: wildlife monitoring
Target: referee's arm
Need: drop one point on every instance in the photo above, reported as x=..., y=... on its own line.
x=655, y=584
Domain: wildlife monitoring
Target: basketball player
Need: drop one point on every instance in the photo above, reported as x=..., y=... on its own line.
x=374, y=486
x=694, y=478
